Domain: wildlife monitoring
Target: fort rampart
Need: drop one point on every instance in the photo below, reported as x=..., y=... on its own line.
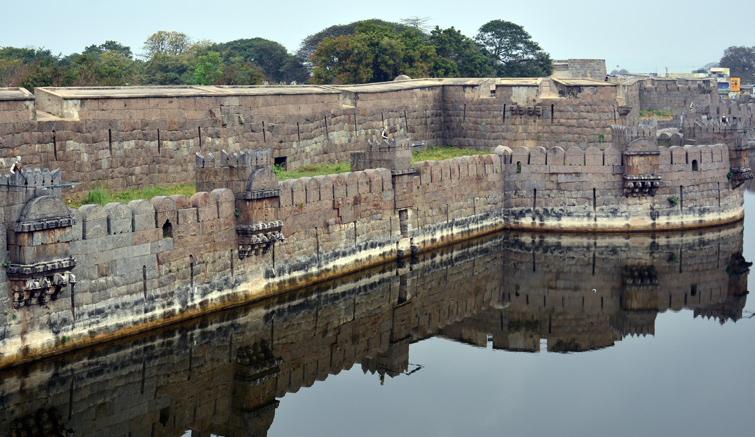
x=79, y=277
x=139, y=136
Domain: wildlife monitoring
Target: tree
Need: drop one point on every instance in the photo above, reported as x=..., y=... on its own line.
x=166, y=43
x=463, y=57
x=239, y=72
x=169, y=70
x=417, y=23
x=513, y=53
x=741, y=61
x=373, y=53
x=45, y=72
x=310, y=43
x=271, y=57
x=209, y=69
x=10, y=69
x=108, y=46
x=27, y=55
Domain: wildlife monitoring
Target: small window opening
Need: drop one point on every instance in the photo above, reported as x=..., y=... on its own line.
x=167, y=229
x=694, y=165
x=280, y=162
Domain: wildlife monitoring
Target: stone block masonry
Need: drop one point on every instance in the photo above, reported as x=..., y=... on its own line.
x=140, y=136
x=148, y=263
x=676, y=187
x=79, y=277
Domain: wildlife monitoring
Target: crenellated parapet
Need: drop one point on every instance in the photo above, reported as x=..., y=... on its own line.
x=622, y=135
x=230, y=170
x=391, y=153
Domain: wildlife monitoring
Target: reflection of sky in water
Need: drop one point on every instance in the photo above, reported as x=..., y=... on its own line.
x=694, y=377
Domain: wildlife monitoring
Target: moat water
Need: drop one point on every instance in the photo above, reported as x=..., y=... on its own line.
x=511, y=334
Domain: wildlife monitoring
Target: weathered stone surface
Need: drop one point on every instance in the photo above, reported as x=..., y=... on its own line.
x=94, y=221
x=119, y=218
x=143, y=215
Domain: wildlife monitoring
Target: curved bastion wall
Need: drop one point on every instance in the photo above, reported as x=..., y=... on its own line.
x=644, y=188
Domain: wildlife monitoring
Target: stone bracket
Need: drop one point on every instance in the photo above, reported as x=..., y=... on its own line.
x=26, y=290
x=740, y=175
x=256, y=364
x=536, y=110
x=641, y=185
x=258, y=238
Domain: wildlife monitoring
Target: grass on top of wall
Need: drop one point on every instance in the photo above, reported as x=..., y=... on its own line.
x=311, y=170
x=102, y=196
x=442, y=153
x=659, y=114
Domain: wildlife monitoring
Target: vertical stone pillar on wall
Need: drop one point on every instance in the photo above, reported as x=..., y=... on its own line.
x=38, y=226
x=249, y=175
x=739, y=159
x=396, y=156
x=642, y=174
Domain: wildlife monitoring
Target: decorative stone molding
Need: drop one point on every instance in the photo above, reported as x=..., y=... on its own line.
x=641, y=185
x=43, y=224
x=740, y=175
x=261, y=194
x=42, y=267
x=28, y=290
x=624, y=110
x=536, y=110
x=258, y=238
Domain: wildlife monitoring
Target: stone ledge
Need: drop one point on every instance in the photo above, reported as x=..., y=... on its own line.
x=262, y=194
x=43, y=224
x=42, y=267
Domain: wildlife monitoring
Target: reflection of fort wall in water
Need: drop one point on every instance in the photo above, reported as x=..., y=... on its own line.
x=223, y=374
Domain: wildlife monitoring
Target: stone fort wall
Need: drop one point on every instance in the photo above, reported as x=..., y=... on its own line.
x=78, y=277
x=557, y=188
x=140, y=136
x=129, y=267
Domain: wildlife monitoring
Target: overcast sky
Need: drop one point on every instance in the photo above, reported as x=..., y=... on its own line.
x=644, y=36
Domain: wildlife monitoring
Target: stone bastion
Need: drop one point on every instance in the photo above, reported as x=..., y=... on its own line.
x=73, y=278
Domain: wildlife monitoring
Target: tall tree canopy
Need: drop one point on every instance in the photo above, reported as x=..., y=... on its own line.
x=512, y=50
x=363, y=51
x=741, y=61
x=310, y=43
x=374, y=53
x=167, y=43
x=268, y=56
x=460, y=55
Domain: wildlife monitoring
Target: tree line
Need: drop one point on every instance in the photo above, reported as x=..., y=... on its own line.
x=359, y=52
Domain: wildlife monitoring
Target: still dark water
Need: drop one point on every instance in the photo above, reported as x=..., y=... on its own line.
x=513, y=334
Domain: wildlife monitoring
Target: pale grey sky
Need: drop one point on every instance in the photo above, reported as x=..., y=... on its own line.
x=642, y=36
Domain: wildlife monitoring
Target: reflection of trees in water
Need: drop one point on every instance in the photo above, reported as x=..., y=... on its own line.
x=224, y=374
